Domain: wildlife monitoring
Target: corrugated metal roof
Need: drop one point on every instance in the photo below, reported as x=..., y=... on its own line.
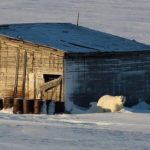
x=71, y=38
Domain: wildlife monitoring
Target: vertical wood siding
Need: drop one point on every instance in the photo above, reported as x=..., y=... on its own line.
x=39, y=61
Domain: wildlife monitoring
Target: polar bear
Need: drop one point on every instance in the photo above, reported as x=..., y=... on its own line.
x=109, y=103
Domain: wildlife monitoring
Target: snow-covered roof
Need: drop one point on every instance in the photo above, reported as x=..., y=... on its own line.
x=70, y=38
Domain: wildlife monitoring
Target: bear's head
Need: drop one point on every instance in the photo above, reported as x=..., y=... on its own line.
x=120, y=99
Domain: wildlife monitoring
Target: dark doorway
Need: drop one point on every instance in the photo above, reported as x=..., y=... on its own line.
x=49, y=77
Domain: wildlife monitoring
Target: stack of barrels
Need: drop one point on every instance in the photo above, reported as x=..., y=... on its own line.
x=38, y=106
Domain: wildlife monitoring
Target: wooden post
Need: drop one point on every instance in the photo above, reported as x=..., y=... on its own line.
x=32, y=86
x=24, y=74
x=60, y=96
x=17, y=73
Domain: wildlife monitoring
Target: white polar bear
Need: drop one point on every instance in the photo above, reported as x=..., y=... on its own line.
x=109, y=103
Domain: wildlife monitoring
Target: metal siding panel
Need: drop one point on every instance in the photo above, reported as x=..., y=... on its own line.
x=88, y=79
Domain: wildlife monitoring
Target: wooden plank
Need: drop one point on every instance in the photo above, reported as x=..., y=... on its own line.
x=31, y=91
x=24, y=74
x=51, y=84
x=17, y=72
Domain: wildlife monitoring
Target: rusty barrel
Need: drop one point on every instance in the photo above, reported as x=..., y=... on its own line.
x=18, y=106
x=1, y=104
x=8, y=102
x=37, y=106
x=40, y=106
x=28, y=106
x=50, y=107
x=59, y=107
x=43, y=107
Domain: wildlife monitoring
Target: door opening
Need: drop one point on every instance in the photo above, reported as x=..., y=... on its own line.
x=50, y=77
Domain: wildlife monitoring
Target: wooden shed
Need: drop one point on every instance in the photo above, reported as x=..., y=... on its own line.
x=72, y=64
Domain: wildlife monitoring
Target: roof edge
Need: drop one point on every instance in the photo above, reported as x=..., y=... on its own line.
x=11, y=39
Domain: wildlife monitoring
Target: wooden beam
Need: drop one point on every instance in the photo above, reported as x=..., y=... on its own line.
x=24, y=74
x=17, y=73
x=51, y=84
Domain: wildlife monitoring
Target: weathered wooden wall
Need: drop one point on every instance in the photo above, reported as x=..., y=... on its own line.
x=87, y=78
x=22, y=66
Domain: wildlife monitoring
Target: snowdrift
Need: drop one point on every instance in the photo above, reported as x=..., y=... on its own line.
x=141, y=107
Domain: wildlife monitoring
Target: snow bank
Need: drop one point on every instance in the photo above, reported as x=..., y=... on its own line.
x=141, y=107
x=7, y=111
x=81, y=110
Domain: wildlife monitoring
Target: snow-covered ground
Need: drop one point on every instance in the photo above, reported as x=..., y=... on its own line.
x=124, y=130
x=128, y=18
x=115, y=131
